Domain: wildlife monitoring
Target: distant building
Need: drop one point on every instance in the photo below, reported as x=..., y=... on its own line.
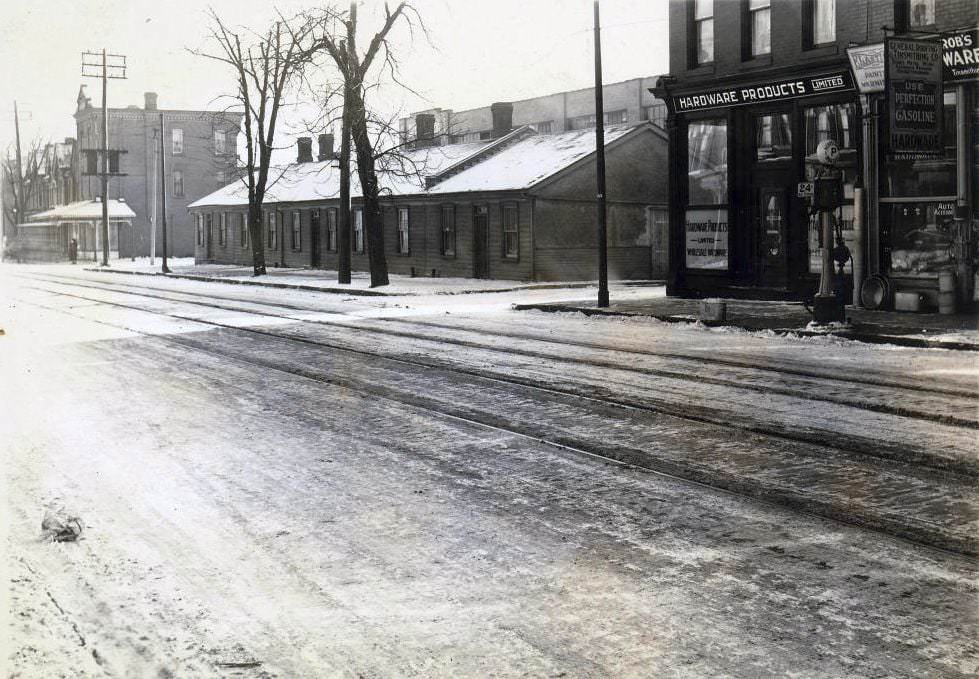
x=755, y=86
x=629, y=101
x=200, y=149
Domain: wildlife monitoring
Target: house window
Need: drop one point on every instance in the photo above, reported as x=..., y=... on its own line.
x=113, y=162
x=403, y=245
x=616, y=117
x=760, y=23
x=297, y=230
x=511, y=232
x=200, y=229
x=819, y=22
x=543, y=127
x=449, y=230
x=223, y=229
x=178, y=183
x=219, y=142
x=358, y=230
x=270, y=227
x=242, y=230
x=581, y=122
x=91, y=161
x=921, y=13
x=703, y=32
x=331, y=230
x=655, y=114
x=178, y=140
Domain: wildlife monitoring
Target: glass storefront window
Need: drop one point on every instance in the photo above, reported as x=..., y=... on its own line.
x=930, y=177
x=773, y=137
x=707, y=162
x=921, y=237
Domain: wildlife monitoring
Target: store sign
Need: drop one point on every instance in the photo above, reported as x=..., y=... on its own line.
x=779, y=90
x=867, y=62
x=960, y=56
x=914, y=98
x=706, y=239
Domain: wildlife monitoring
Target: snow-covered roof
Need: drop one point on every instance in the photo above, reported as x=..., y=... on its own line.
x=84, y=209
x=527, y=161
x=515, y=162
x=300, y=182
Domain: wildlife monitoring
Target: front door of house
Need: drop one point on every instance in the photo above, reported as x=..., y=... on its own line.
x=480, y=245
x=314, y=239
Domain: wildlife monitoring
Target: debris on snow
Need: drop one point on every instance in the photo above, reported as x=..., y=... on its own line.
x=58, y=526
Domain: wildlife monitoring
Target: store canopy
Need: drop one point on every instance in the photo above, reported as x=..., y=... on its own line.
x=85, y=210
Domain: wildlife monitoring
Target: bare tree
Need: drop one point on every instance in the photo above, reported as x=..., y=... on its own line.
x=21, y=177
x=355, y=70
x=266, y=66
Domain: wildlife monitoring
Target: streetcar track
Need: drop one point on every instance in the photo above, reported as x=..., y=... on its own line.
x=873, y=449
x=735, y=363
x=784, y=500
x=877, y=407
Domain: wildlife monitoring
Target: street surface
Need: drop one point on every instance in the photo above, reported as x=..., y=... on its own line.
x=278, y=483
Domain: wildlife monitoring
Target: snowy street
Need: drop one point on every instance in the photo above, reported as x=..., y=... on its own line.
x=285, y=483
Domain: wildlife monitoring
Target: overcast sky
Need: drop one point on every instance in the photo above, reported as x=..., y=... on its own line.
x=482, y=51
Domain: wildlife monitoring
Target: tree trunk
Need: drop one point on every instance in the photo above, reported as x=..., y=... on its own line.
x=255, y=235
x=373, y=220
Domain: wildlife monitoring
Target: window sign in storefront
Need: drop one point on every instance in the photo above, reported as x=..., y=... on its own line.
x=960, y=56
x=914, y=98
x=921, y=238
x=867, y=62
x=706, y=244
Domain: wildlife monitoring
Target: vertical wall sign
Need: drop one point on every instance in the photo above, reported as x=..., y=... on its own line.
x=914, y=98
x=867, y=62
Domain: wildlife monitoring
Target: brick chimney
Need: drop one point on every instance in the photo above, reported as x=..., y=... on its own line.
x=305, y=145
x=149, y=99
x=424, y=130
x=325, y=147
x=502, y=118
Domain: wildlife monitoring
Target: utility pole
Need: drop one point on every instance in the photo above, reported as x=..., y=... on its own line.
x=344, y=222
x=603, y=300
x=153, y=220
x=118, y=71
x=163, y=194
x=19, y=198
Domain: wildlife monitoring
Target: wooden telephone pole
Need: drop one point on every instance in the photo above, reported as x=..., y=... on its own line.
x=104, y=69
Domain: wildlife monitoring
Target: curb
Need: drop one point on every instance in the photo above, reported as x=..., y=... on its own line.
x=339, y=291
x=853, y=335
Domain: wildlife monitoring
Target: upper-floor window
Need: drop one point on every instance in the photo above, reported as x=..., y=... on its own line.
x=178, y=183
x=114, y=162
x=403, y=244
x=819, y=22
x=703, y=31
x=219, y=142
x=760, y=23
x=297, y=231
x=178, y=140
x=358, y=230
x=913, y=14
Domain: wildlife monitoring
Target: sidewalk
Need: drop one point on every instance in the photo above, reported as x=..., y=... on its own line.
x=320, y=280
x=957, y=331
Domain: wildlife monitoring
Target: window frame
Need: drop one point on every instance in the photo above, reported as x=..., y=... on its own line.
x=507, y=232
x=242, y=229
x=809, y=9
x=177, y=189
x=443, y=230
x=223, y=229
x=177, y=141
x=332, y=242
x=693, y=36
x=403, y=241
x=357, y=215
x=748, y=34
x=271, y=230
x=220, y=148
x=296, y=231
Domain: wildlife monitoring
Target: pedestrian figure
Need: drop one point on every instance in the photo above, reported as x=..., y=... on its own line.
x=73, y=250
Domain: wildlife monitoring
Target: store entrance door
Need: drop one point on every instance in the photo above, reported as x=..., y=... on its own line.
x=773, y=176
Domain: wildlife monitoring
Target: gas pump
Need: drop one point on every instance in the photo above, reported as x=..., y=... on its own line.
x=828, y=304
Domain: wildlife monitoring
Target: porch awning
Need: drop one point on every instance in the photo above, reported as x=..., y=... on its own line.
x=85, y=210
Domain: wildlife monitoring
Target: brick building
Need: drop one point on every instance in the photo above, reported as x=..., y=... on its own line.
x=629, y=101
x=518, y=206
x=753, y=87
x=200, y=148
